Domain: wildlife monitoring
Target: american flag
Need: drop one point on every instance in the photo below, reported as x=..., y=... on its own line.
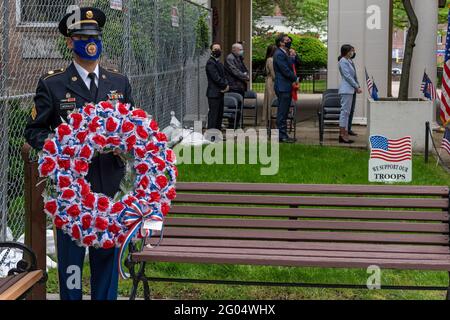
x=445, y=96
x=372, y=87
x=369, y=83
x=446, y=141
x=427, y=88
x=391, y=150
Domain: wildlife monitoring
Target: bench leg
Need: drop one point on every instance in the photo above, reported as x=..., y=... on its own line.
x=138, y=277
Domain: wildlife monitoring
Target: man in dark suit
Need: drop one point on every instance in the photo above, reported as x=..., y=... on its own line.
x=65, y=90
x=217, y=86
x=284, y=79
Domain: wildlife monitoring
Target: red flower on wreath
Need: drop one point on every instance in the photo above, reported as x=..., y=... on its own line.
x=139, y=113
x=89, y=109
x=152, y=147
x=76, y=232
x=63, y=131
x=140, y=152
x=81, y=136
x=50, y=147
x=60, y=222
x=161, y=181
x=111, y=125
x=123, y=109
x=86, y=221
x=106, y=105
x=86, y=152
x=50, y=207
x=88, y=200
x=89, y=240
x=142, y=168
x=63, y=163
x=131, y=141
x=64, y=181
x=69, y=151
x=103, y=204
x=114, y=141
x=99, y=140
x=127, y=126
x=74, y=211
x=47, y=167
x=161, y=137
x=95, y=124
x=117, y=208
x=171, y=194
x=101, y=223
x=76, y=119
x=68, y=194
x=165, y=208
x=154, y=125
x=155, y=197
x=84, y=186
x=170, y=155
x=159, y=163
x=108, y=244
x=142, y=133
x=81, y=166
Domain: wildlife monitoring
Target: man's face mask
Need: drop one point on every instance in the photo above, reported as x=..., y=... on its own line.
x=288, y=44
x=88, y=48
x=217, y=53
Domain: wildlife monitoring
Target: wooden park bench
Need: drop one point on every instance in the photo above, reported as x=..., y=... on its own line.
x=23, y=277
x=293, y=225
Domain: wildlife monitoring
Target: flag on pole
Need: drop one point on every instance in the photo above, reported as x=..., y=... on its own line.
x=445, y=96
x=427, y=88
x=372, y=87
x=369, y=83
x=374, y=91
x=446, y=141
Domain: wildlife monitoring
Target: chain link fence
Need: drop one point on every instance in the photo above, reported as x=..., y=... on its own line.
x=159, y=44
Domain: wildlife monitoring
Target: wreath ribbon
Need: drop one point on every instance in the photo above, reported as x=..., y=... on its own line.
x=134, y=218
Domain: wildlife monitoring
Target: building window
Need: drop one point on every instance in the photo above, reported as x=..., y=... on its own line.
x=45, y=13
x=440, y=39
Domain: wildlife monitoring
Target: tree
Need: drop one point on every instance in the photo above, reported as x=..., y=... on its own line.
x=305, y=14
x=409, y=49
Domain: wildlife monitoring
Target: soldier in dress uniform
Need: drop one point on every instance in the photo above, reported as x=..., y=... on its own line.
x=62, y=91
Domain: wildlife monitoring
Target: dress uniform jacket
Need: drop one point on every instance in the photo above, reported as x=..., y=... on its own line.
x=62, y=91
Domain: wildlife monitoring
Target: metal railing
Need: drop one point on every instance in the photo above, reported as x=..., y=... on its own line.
x=312, y=81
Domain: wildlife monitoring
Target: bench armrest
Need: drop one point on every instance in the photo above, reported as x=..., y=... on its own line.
x=23, y=265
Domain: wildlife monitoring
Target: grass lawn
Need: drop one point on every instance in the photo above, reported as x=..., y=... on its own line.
x=298, y=164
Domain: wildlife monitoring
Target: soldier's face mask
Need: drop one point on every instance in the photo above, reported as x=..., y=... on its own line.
x=88, y=48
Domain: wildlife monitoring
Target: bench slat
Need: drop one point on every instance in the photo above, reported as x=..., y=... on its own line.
x=321, y=246
x=217, y=233
x=292, y=261
x=309, y=224
x=314, y=188
x=304, y=253
x=313, y=201
x=309, y=213
x=21, y=286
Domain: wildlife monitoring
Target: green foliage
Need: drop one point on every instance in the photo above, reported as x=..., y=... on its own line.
x=202, y=33
x=305, y=14
x=312, y=52
x=401, y=19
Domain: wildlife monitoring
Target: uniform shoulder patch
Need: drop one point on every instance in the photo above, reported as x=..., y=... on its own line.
x=55, y=72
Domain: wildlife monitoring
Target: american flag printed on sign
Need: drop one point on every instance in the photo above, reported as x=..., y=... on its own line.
x=445, y=96
x=391, y=150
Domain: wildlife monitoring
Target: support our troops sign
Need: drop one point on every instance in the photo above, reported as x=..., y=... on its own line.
x=390, y=160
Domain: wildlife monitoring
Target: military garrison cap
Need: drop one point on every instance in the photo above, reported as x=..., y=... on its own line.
x=83, y=21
